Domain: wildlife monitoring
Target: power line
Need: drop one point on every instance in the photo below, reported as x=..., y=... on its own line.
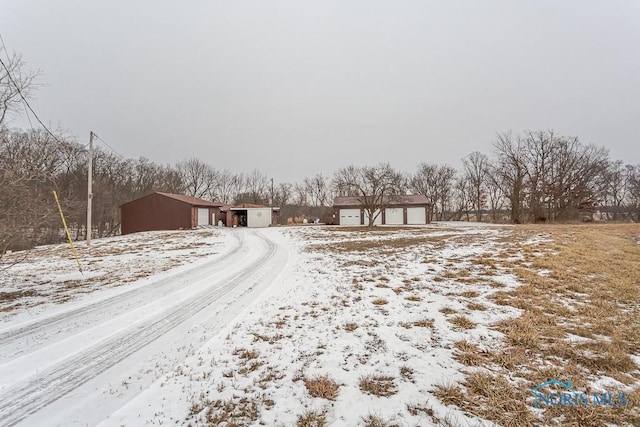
x=22, y=96
x=112, y=149
x=26, y=113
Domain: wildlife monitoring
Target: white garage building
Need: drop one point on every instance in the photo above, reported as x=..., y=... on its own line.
x=397, y=210
x=248, y=215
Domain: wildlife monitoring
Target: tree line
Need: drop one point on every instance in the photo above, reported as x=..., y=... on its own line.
x=536, y=176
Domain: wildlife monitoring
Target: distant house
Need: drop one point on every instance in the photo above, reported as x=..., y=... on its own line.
x=398, y=210
x=164, y=211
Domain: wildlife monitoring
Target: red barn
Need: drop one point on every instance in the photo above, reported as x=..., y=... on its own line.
x=164, y=211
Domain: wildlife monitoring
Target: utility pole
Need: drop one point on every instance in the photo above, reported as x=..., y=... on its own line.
x=89, y=187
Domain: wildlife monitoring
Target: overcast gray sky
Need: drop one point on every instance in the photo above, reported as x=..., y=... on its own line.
x=295, y=88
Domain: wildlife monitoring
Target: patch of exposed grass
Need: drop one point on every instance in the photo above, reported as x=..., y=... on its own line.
x=420, y=409
x=469, y=354
x=245, y=354
x=468, y=280
x=447, y=310
x=450, y=394
x=509, y=358
x=350, y=327
x=372, y=420
x=11, y=296
x=486, y=260
x=322, y=386
x=423, y=323
x=450, y=274
x=271, y=339
x=253, y=366
x=502, y=402
x=233, y=412
x=490, y=397
x=312, y=419
x=406, y=372
x=378, y=385
x=469, y=294
x=267, y=376
x=476, y=306
x=522, y=332
x=392, y=242
x=379, y=301
x=462, y=322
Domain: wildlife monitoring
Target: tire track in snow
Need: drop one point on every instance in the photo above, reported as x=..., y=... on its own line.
x=35, y=332
x=18, y=402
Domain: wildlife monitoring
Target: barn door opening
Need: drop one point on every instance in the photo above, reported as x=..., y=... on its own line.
x=239, y=218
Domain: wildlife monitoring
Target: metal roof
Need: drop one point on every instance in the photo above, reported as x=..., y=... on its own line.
x=399, y=200
x=249, y=205
x=245, y=206
x=193, y=201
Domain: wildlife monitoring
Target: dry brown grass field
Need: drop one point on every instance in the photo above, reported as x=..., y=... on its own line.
x=580, y=319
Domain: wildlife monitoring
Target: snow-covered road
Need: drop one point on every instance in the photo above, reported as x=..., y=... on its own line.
x=106, y=349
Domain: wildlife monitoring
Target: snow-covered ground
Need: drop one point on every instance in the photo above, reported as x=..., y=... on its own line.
x=193, y=326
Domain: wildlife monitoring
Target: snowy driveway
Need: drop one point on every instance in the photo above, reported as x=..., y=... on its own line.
x=53, y=365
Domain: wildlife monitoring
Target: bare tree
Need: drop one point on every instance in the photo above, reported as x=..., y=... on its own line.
x=425, y=181
x=511, y=171
x=255, y=189
x=283, y=194
x=539, y=151
x=578, y=177
x=283, y=198
x=168, y=180
x=475, y=170
x=198, y=178
x=143, y=177
x=617, y=183
x=317, y=188
x=495, y=194
x=445, y=180
x=300, y=195
x=14, y=80
x=462, y=201
x=29, y=164
x=373, y=186
x=110, y=175
x=435, y=182
x=633, y=194
x=227, y=186
x=550, y=177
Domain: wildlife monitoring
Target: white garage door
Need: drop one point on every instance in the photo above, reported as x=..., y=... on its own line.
x=416, y=216
x=394, y=216
x=259, y=217
x=349, y=216
x=376, y=221
x=203, y=216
